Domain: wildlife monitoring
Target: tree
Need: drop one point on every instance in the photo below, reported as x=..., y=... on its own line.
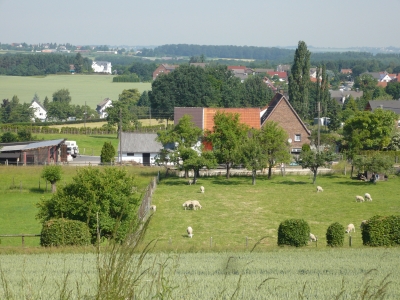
x=186, y=137
x=394, y=144
x=274, y=142
x=369, y=131
x=46, y=102
x=256, y=92
x=379, y=163
x=107, y=153
x=62, y=96
x=123, y=110
x=299, y=80
x=24, y=135
x=52, y=174
x=315, y=159
x=144, y=99
x=78, y=63
x=365, y=82
x=92, y=197
x=227, y=137
x=393, y=89
x=254, y=156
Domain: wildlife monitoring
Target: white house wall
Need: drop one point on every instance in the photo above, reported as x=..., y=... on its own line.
x=138, y=157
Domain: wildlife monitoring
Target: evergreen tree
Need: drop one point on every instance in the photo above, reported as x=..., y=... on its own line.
x=107, y=153
x=299, y=80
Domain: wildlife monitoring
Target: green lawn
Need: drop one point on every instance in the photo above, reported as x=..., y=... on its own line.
x=91, y=89
x=234, y=210
x=20, y=192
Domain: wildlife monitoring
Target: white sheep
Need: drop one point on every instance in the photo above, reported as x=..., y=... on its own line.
x=367, y=197
x=202, y=189
x=192, y=181
x=363, y=223
x=187, y=204
x=190, y=231
x=196, y=204
x=313, y=238
x=319, y=189
x=153, y=208
x=360, y=199
x=350, y=228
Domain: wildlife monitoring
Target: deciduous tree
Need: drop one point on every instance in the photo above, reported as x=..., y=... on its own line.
x=315, y=159
x=52, y=174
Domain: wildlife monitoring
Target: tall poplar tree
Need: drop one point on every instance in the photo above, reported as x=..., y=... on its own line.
x=299, y=80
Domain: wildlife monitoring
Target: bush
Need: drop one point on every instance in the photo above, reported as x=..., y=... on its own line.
x=64, y=232
x=335, y=235
x=382, y=231
x=107, y=153
x=293, y=232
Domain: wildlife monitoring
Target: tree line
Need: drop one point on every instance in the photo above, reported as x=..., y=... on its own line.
x=42, y=64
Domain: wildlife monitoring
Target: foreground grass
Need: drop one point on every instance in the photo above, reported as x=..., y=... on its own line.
x=368, y=273
x=22, y=188
x=235, y=212
x=89, y=89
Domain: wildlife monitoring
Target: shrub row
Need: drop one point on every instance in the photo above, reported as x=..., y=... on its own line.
x=378, y=231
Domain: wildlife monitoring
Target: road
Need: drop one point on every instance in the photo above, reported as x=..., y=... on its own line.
x=85, y=160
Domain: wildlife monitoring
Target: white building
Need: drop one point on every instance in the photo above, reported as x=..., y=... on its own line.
x=101, y=108
x=38, y=111
x=101, y=67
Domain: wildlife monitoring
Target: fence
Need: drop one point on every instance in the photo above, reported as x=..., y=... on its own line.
x=144, y=208
x=22, y=236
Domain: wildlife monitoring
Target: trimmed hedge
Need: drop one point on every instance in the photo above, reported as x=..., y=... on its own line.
x=381, y=231
x=293, y=232
x=335, y=235
x=64, y=232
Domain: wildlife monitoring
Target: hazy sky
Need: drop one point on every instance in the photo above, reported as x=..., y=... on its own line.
x=326, y=23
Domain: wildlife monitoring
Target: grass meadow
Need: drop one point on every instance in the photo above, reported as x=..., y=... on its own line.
x=91, y=89
x=233, y=253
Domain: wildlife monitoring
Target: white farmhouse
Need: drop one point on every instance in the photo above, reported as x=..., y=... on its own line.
x=141, y=148
x=101, y=67
x=38, y=111
x=101, y=108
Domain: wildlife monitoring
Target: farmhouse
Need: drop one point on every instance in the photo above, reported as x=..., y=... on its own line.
x=101, y=107
x=101, y=67
x=33, y=153
x=278, y=110
x=39, y=112
x=163, y=69
x=141, y=148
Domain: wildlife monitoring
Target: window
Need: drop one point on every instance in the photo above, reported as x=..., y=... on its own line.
x=297, y=137
x=130, y=154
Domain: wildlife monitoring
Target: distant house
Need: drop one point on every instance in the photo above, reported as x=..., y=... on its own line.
x=283, y=68
x=39, y=112
x=392, y=105
x=282, y=75
x=101, y=108
x=341, y=95
x=163, y=69
x=101, y=67
x=141, y=148
x=261, y=71
x=278, y=110
x=346, y=71
x=72, y=69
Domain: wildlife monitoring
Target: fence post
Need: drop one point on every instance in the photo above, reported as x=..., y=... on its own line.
x=210, y=242
x=246, y=241
x=350, y=240
x=23, y=240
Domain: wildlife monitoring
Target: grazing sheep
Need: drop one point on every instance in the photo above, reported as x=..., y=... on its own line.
x=363, y=223
x=190, y=231
x=153, y=208
x=187, y=204
x=192, y=181
x=196, y=204
x=313, y=238
x=350, y=228
x=367, y=197
x=319, y=189
x=202, y=189
x=360, y=199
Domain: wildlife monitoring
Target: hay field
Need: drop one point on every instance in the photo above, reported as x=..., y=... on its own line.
x=90, y=88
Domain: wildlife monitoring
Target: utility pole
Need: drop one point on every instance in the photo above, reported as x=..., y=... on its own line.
x=319, y=123
x=85, y=116
x=120, y=136
x=150, y=114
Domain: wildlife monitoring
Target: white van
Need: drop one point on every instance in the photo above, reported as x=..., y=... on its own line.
x=72, y=148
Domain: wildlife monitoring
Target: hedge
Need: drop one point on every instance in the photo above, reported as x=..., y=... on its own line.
x=381, y=231
x=64, y=232
x=293, y=232
x=335, y=235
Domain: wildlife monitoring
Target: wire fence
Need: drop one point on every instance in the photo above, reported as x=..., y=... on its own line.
x=144, y=209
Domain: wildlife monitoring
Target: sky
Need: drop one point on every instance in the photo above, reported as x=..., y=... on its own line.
x=326, y=24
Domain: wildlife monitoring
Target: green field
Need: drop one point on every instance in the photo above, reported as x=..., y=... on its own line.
x=91, y=89
x=278, y=274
